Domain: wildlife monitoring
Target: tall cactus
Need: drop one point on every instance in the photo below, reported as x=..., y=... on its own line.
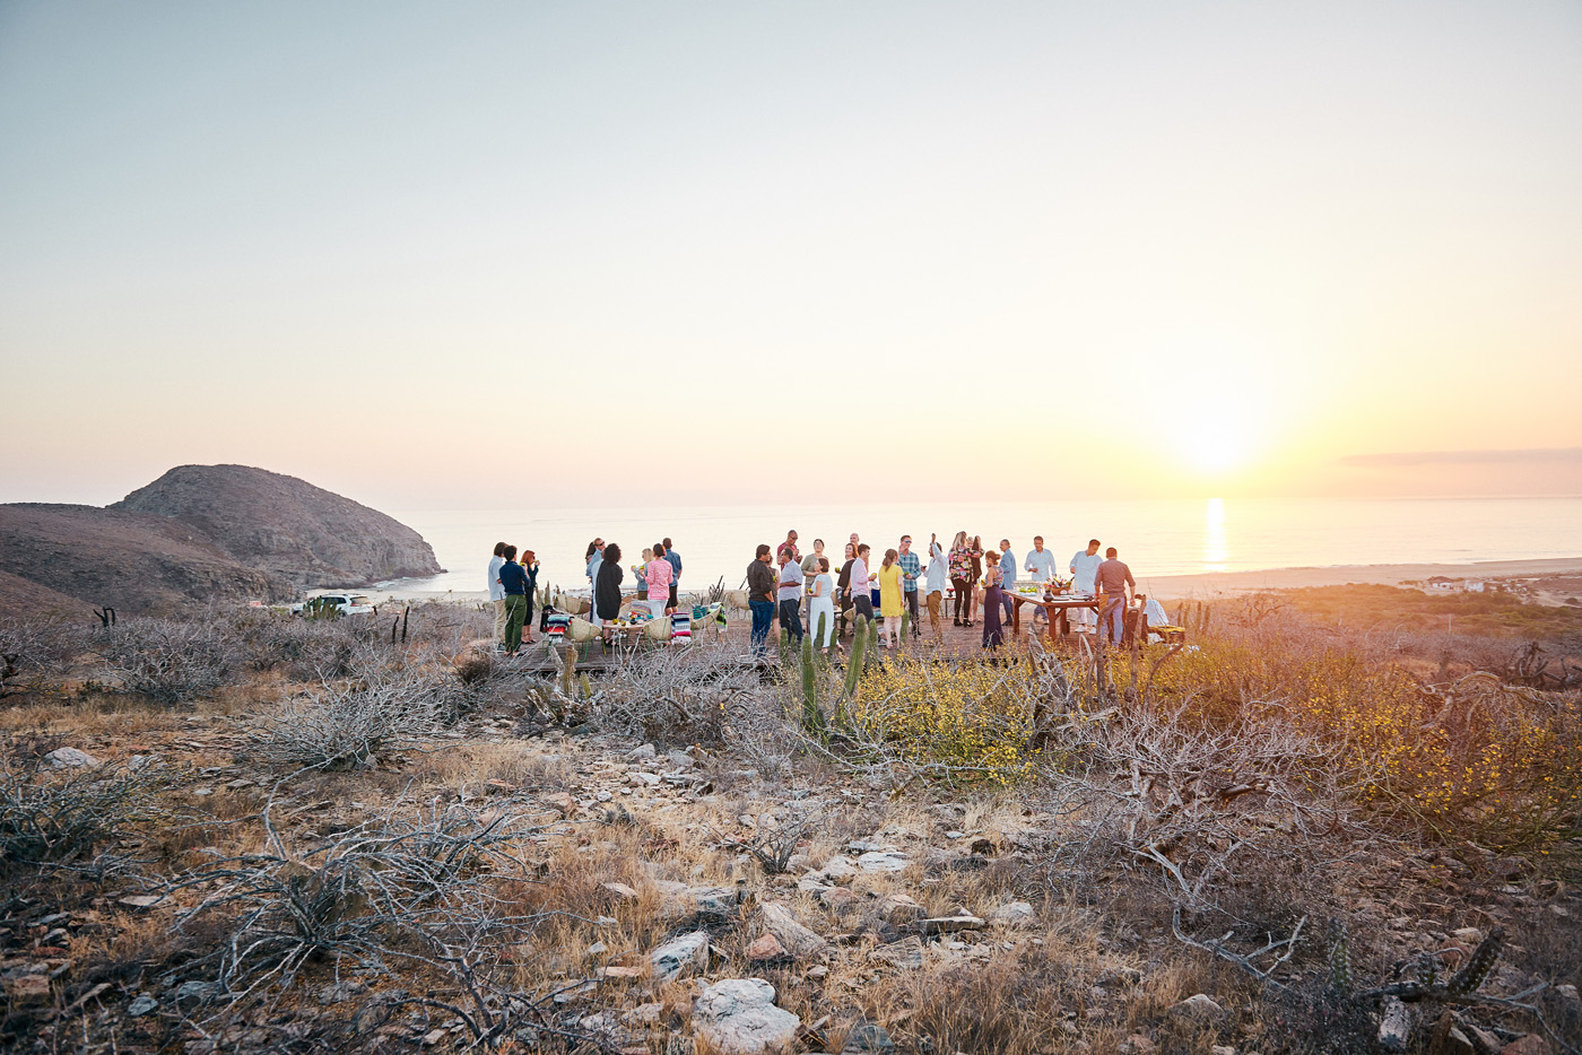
x=812, y=717
x=906, y=626
x=859, y=642
x=823, y=625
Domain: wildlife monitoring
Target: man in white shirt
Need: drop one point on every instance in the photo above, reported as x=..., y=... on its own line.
x=1084, y=567
x=861, y=598
x=790, y=596
x=1040, y=561
x=497, y=592
x=934, y=587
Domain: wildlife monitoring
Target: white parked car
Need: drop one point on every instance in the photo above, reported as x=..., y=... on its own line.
x=342, y=603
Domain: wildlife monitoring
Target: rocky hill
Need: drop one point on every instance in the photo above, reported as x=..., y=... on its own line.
x=285, y=527
x=198, y=534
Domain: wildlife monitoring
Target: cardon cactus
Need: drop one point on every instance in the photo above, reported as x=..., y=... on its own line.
x=906, y=625
x=859, y=642
x=812, y=717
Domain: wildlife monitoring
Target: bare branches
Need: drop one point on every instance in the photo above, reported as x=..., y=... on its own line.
x=420, y=886
x=1280, y=948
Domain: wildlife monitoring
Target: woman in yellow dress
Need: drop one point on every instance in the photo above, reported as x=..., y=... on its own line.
x=891, y=602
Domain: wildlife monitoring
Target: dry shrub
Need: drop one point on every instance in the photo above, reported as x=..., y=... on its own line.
x=55, y=816
x=33, y=654
x=1475, y=758
x=678, y=696
x=168, y=660
x=305, y=649
x=415, y=891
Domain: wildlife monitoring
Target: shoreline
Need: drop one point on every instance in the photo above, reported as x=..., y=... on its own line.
x=1205, y=585
x=1210, y=584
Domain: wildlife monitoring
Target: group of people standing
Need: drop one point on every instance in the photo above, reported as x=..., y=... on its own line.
x=980, y=580
x=511, y=590
x=808, y=594
x=658, y=579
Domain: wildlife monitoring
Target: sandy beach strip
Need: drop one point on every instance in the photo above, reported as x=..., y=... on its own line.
x=1211, y=584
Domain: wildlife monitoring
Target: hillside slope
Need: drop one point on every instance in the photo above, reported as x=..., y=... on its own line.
x=286, y=527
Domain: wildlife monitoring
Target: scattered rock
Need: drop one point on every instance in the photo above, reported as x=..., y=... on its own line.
x=645, y=1016
x=951, y=924
x=141, y=1006
x=71, y=758
x=738, y=1017
x=677, y=954
x=766, y=947
x=28, y=989
x=883, y=861
x=140, y=900
x=1011, y=915
x=560, y=802
x=1222, y=1049
x=623, y=973
x=867, y=1037
x=1470, y=935
x=839, y=870
x=1136, y=1044
x=1569, y=998
x=620, y=890
x=1199, y=1005
x=1447, y=1039
x=1531, y=1044
x=637, y=753
x=194, y=992
x=798, y=940
x=900, y=909
x=238, y=784
x=906, y=954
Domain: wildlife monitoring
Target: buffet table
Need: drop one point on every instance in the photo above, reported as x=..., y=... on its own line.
x=1055, y=609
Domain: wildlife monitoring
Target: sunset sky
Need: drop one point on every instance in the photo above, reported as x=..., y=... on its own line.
x=490, y=254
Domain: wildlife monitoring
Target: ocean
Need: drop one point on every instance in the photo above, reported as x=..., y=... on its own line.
x=1155, y=537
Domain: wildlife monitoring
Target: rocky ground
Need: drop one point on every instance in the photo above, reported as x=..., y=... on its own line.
x=728, y=894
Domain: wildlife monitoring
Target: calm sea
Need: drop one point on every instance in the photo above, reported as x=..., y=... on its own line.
x=1157, y=537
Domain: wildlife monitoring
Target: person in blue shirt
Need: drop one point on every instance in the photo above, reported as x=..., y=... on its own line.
x=675, y=568
x=515, y=582
x=1008, y=580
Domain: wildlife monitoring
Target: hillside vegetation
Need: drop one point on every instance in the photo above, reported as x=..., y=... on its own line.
x=242, y=832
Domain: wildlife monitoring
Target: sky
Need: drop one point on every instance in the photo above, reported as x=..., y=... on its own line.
x=486, y=255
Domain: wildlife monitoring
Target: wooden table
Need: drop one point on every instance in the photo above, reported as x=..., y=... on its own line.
x=1057, y=610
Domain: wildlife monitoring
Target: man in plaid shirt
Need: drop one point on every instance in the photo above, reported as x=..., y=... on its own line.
x=910, y=568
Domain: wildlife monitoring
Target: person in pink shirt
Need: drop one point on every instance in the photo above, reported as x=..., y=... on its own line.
x=658, y=573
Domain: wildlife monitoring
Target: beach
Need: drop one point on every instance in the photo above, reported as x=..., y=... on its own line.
x=1211, y=584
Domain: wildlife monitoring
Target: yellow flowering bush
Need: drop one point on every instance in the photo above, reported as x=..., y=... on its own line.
x=1479, y=760
x=964, y=724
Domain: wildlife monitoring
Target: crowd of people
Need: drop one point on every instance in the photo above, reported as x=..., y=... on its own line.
x=808, y=594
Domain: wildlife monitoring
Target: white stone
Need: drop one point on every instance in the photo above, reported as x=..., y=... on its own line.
x=839, y=870
x=1012, y=914
x=883, y=861
x=677, y=954
x=70, y=758
x=1199, y=1004
x=738, y=1017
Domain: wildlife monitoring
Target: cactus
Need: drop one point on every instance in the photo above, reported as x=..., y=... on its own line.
x=859, y=641
x=1469, y=978
x=812, y=717
x=568, y=673
x=1339, y=958
x=585, y=685
x=823, y=624
x=906, y=626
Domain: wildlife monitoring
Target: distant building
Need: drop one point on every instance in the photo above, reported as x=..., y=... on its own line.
x=1473, y=586
x=1441, y=582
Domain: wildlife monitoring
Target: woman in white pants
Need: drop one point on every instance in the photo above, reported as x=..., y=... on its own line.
x=821, y=605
